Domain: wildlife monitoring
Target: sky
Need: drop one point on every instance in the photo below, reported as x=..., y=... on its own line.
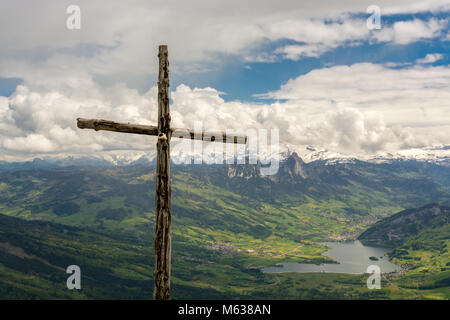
x=314, y=70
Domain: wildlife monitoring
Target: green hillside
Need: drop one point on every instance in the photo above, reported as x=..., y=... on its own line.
x=421, y=237
x=226, y=221
x=431, y=221
x=35, y=254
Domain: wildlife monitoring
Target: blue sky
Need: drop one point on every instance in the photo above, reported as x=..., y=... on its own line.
x=289, y=65
x=241, y=83
x=8, y=86
x=240, y=80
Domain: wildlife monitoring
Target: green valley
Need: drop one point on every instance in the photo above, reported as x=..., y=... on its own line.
x=227, y=222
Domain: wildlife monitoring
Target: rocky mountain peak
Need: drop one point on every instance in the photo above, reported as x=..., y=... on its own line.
x=294, y=166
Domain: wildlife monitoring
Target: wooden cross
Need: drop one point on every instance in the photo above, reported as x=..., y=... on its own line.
x=163, y=232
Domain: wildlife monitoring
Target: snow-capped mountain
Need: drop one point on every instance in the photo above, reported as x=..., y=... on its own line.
x=438, y=155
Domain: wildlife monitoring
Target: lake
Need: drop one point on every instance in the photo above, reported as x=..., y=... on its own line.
x=353, y=257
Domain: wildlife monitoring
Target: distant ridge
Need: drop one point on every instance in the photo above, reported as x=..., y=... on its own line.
x=406, y=223
x=298, y=158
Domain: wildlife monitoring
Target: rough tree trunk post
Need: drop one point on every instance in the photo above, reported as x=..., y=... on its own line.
x=163, y=232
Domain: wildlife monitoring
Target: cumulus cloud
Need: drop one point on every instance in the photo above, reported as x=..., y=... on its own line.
x=33, y=143
x=396, y=108
x=359, y=109
x=35, y=122
x=82, y=73
x=351, y=131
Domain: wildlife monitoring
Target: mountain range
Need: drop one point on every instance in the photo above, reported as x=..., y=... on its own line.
x=227, y=219
x=438, y=155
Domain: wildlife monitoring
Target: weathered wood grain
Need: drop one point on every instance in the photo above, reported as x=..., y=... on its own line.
x=163, y=229
x=97, y=125
x=220, y=136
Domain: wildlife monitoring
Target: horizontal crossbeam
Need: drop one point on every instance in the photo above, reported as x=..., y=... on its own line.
x=106, y=125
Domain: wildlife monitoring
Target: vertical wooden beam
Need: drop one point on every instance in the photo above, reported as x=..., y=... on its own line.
x=163, y=232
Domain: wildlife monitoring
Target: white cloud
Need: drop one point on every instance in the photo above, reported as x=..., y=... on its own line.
x=320, y=37
x=350, y=130
x=45, y=121
x=119, y=40
x=390, y=108
x=416, y=6
x=356, y=109
x=33, y=143
x=430, y=58
x=359, y=109
x=404, y=32
x=317, y=31
x=295, y=52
